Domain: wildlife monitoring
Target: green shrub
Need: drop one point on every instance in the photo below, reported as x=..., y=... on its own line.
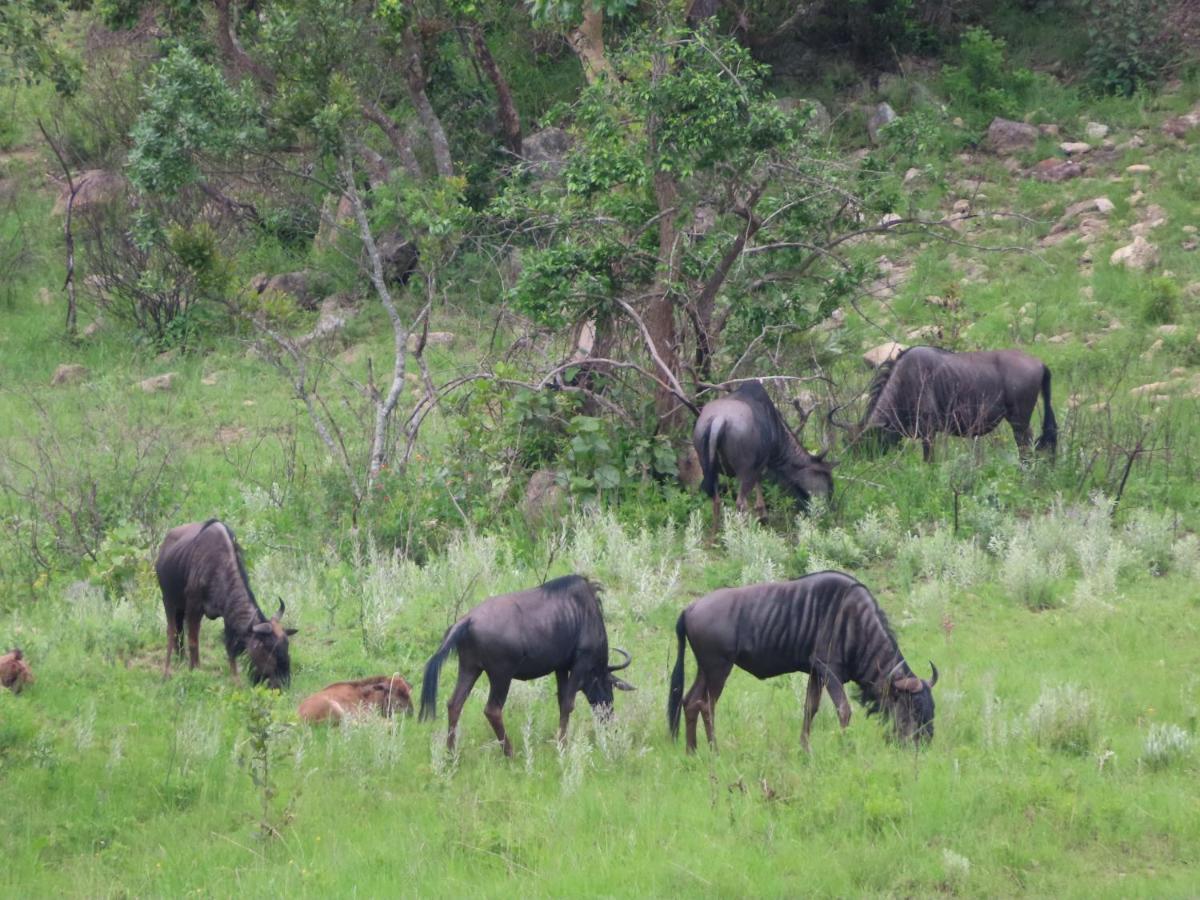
x=983, y=85
x=1160, y=301
x=1129, y=45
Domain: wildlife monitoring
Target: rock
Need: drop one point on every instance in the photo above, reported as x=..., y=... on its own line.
x=1056, y=170
x=68, y=373
x=433, y=339
x=1154, y=387
x=1095, y=131
x=690, y=471
x=957, y=122
x=1141, y=254
x=926, y=333
x=1188, y=229
x=399, y=257
x=1138, y=169
x=1049, y=129
x=943, y=302
x=962, y=207
x=1154, y=348
x=912, y=175
x=1102, y=205
x=883, y=116
x=230, y=434
x=545, y=499
x=1136, y=198
x=890, y=219
x=1074, y=148
x=819, y=118
x=1132, y=144
x=1059, y=338
x=1179, y=126
x=210, y=379
x=301, y=286
x=337, y=218
x=93, y=187
x=546, y=151
x=1006, y=136
x=336, y=311
x=877, y=356
x=1168, y=329
x=157, y=383
x=93, y=329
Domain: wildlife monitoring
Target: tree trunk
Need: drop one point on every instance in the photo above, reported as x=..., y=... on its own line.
x=510, y=119
x=588, y=43
x=660, y=315
x=400, y=144
x=239, y=62
x=414, y=76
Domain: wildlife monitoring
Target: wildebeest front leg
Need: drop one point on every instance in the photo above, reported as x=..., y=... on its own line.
x=566, y=702
x=495, y=711
x=927, y=449
x=812, y=702
x=467, y=676
x=174, y=639
x=193, y=638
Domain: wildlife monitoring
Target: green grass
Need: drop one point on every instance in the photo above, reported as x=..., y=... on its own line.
x=118, y=783
x=140, y=790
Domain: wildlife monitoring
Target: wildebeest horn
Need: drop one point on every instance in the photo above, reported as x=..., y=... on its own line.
x=834, y=422
x=933, y=680
x=262, y=628
x=628, y=660
x=282, y=609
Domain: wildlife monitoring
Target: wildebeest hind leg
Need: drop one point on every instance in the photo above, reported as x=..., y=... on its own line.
x=708, y=709
x=467, y=676
x=691, y=707
x=495, y=711
x=760, y=504
x=1023, y=435
x=174, y=640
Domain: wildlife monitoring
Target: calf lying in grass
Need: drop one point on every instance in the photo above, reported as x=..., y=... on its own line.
x=383, y=693
x=14, y=671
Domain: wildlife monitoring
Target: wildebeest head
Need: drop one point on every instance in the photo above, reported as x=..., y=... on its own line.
x=805, y=475
x=598, y=688
x=14, y=671
x=267, y=647
x=392, y=695
x=908, y=702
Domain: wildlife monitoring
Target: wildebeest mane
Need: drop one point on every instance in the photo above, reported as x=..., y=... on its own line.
x=565, y=583
x=237, y=555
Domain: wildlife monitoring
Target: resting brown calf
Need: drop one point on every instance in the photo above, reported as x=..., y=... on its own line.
x=14, y=671
x=384, y=693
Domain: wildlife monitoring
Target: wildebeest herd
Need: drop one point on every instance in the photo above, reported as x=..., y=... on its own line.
x=826, y=624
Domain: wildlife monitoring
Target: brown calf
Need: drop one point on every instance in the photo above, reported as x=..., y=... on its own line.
x=384, y=693
x=14, y=671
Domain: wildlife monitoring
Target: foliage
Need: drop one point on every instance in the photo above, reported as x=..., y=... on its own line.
x=28, y=50
x=983, y=85
x=259, y=751
x=1129, y=43
x=190, y=111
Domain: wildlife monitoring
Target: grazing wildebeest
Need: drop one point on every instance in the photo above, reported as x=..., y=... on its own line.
x=385, y=694
x=925, y=390
x=825, y=624
x=14, y=671
x=558, y=627
x=744, y=435
x=201, y=573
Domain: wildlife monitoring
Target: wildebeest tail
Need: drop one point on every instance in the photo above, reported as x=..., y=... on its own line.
x=1049, y=438
x=709, y=441
x=675, y=697
x=433, y=669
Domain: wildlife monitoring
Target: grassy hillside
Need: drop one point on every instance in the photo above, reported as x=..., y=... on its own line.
x=1064, y=628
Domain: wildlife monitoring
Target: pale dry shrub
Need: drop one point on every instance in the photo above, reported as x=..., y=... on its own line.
x=1029, y=573
x=761, y=552
x=1186, y=555
x=1165, y=745
x=1151, y=535
x=878, y=533
x=1064, y=718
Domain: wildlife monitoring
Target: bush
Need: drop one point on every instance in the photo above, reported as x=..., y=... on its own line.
x=1129, y=43
x=1165, y=745
x=1064, y=719
x=983, y=85
x=1160, y=302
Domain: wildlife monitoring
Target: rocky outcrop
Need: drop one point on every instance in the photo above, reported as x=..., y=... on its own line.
x=1006, y=136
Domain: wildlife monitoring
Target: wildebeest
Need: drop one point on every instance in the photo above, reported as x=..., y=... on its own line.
x=825, y=624
x=386, y=694
x=14, y=671
x=201, y=573
x=926, y=390
x=744, y=435
x=558, y=627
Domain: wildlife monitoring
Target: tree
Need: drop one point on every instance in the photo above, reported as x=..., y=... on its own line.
x=689, y=194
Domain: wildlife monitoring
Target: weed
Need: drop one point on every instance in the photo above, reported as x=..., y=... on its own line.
x=1165, y=746
x=1065, y=719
